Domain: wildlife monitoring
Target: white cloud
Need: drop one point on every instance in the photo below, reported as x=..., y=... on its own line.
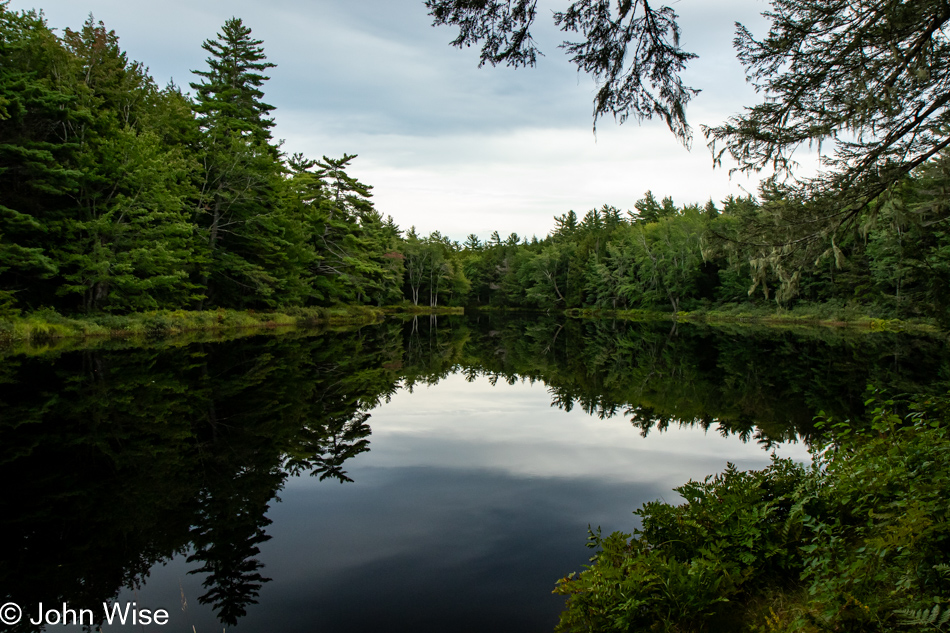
x=446, y=145
x=517, y=182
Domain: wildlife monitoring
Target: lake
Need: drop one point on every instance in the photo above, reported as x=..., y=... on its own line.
x=418, y=475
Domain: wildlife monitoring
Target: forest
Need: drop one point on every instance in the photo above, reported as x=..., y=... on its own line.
x=120, y=196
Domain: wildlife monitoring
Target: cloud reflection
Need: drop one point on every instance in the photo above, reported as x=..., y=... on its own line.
x=472, y=502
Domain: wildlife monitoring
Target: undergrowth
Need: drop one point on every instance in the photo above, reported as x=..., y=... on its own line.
x=859, y=540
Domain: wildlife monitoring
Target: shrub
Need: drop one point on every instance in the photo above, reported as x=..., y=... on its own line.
x=858, y=540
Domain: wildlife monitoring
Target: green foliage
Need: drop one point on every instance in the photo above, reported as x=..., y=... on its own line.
x=872, y=69
x=36, y=100
x=351, y=253
x=122, y=197
x=663, y=257
x=858, y=541
x=206, y=432
x=230, y=94
x=632, y=51
x=865, y=79
x=41, y=327
x=239, y=214
x=431, y=270
x=689, y=563
x=936, y=619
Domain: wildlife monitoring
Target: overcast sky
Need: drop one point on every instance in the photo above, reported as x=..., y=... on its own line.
x=448, y=146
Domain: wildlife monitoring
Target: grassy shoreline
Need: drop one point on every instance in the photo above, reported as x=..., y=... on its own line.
x=419, y=310
x=46, y=331
x=809, y=316
x=813, y=316
x=47, y=325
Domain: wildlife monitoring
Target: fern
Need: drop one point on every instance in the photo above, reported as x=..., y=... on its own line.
x=933, y=619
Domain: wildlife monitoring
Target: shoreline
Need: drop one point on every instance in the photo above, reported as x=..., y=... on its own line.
x=46, y=325
x=805, y=318
x=767, y=319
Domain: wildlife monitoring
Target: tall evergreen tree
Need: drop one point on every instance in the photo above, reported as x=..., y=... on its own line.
x=36, y=101
x=230, y=94
x=350, y=250
x=238, y=210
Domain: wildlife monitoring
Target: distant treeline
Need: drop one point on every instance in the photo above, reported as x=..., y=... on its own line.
x=663, y=257
x=119, y=196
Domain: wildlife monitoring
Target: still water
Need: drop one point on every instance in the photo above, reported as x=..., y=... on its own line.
x=413, y=476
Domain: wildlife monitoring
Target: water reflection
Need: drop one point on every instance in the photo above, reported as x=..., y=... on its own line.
x=472, y=501
x=117, y=460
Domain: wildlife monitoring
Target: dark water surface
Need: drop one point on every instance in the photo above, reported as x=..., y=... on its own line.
x=413, y=476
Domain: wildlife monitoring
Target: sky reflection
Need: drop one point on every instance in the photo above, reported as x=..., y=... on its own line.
x=473, y=500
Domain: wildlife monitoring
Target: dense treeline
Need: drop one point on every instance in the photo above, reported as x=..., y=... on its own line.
x=119, y=196
x=663, y=257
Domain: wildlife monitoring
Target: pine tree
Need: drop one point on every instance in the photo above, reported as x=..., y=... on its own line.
x=631, y=49
x=230, y=94
x=351, y=250
x=866, y=82
x=125, y=240
x=36, y=101
x=245, y=230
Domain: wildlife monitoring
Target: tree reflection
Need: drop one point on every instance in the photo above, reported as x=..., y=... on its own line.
x=340, y=438
x=123, y=459
x=764, y=385
x=226, y=539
